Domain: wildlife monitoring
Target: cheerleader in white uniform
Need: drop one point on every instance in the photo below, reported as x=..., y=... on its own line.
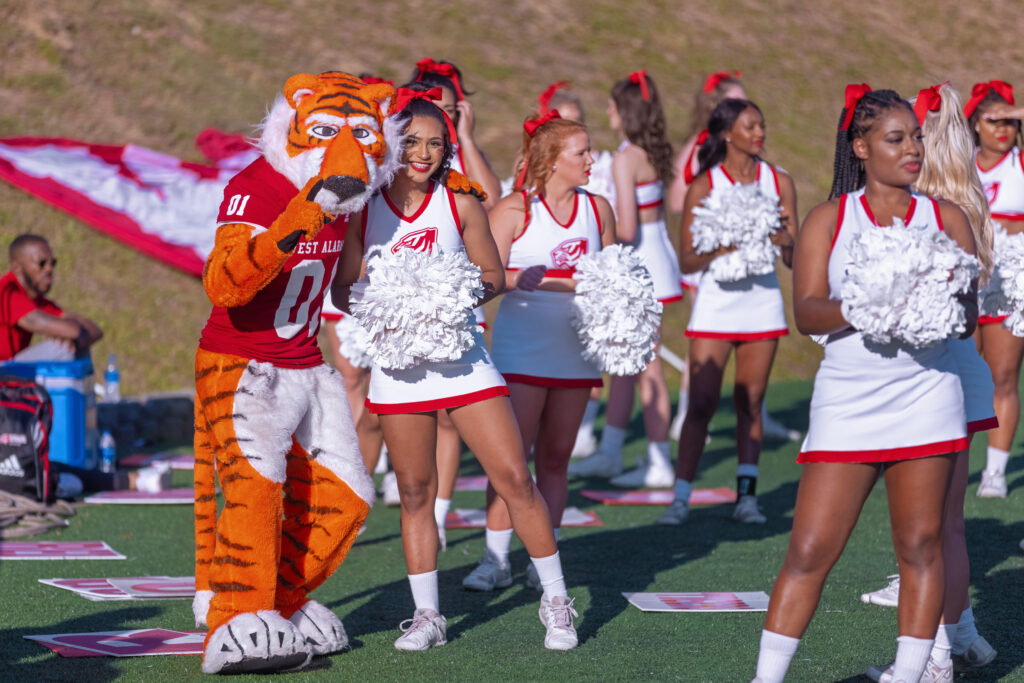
x=640, y=169
x=1000, y=165
x=746, y=316
x=542, y=231
x=417, y=211
x=898, y=406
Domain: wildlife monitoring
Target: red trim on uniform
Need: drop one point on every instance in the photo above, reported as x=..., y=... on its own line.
x=975, y=426
x=483, y=326
x=435, y=404
x=839, y=222
x=650, y=205
x=575, y=207
x=729, y=177
x=938, y=213
x=553, y=382
x=552, y=272
x=462, y=162
x=688, y=176
x=526, y=221
x=871, y=215
x=597, y=214
x=775, y=177
x=419, y=211
x=711, y=180
x=737, y=336
x=362, y=229
x=455, y=210
x=1008, y=216
x=1021, y=157
x=1001, y=160
x=992, y=319
x=332, y=317
x=687, y=286
x=649, y=182
x=674, y=298
x=886, y=454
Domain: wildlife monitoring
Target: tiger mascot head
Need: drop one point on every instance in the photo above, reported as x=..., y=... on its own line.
x=336, y=128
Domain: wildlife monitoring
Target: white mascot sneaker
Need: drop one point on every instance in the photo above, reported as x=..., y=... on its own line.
x=323, y=630
x=252, y=643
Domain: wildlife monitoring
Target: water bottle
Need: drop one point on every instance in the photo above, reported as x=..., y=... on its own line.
x=108, y=453
x=111, y=382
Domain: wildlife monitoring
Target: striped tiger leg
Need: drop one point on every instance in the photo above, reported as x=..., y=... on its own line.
x=205, y=511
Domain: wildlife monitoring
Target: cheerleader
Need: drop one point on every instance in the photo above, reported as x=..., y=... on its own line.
x=896, y=405
x=745, y=316
x=1000, y=165
x=640, y=169
x=417, y=211
x=542, y=231
x=948, y=171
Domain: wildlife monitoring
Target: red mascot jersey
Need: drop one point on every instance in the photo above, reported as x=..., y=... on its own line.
x=280, y=324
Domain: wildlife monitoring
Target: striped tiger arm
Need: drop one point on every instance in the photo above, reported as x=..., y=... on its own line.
x=457, y=182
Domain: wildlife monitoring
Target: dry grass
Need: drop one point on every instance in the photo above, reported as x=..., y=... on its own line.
x=155, y=73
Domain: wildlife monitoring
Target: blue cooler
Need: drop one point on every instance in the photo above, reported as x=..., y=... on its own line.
x=73, y=439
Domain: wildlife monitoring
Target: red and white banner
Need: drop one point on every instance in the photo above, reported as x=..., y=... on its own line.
x=58, y=550
x=661, y=497
x=168, y=497
x=478, y=483
x=162, y=206
x=140, y=643
x=755, y=601
x=128, y=588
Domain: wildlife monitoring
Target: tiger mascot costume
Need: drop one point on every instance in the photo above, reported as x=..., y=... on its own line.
x=272, y=421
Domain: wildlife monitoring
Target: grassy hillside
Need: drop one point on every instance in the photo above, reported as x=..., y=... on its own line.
x=156, y=72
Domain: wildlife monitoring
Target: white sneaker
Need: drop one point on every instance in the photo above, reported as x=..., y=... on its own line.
x=600, y=464
x=886, y=597
x=532, y=578
x=425, y=630
x=979, y=654
x=382, y=460
x=933, y=673
x=993, y=485
x=774, y=429
x=647, y=476
x=586, y=443
x=389, y=490
x=557, y=614
x=748, y=512
x=676, y=513
x=489, y=574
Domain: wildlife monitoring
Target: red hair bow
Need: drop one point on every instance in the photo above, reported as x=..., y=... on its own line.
x=640, y=78
x=928, y=99
x=404, y=96
x=981, y=90
x=428, y=65
x=702, y=137
x=532, y=125
x=712, y=81
x=545, y=97
x=373, y=80
x=854, y=92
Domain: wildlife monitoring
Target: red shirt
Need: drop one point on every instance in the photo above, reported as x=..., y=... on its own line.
x=280, y=324
x=15, y=304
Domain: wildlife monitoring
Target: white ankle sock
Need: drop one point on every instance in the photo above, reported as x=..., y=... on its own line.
x=441, y=507
x=942, y=649
x=612, y=440
x=424, y=590
x=549, y=571
x=589, y=418
x=658, y=454
x=911, y=658
x=776, y=653
x=683, y=490
x=966, y=632
x=498, y=543
x=996, y=460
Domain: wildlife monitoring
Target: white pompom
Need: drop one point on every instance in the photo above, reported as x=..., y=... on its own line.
x=1005, y=291
x=417, y=307
x=740, y=216
x=614, y=311
x=353, y=342
x=901, y=284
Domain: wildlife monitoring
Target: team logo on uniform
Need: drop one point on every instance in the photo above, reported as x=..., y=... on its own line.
x=13, y=439
x=421, y=240
x=568, y=253
x=992, y=191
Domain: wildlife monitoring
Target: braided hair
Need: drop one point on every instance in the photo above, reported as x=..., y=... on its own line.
x=420, y=107
x=848, y=170
x=723, y=118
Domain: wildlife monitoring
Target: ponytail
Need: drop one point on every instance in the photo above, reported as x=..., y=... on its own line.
x=722, y=119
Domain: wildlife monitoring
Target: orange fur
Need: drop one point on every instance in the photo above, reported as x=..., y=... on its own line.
x=457, y=182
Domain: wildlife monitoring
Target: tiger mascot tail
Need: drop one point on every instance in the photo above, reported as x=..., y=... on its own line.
x=272, y=421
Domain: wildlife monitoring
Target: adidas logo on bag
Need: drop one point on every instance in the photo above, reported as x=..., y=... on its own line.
x=11, y=467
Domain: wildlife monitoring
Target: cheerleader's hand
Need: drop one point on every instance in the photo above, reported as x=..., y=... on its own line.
x=1000, y=111
x=782, y=238
x=529, y=278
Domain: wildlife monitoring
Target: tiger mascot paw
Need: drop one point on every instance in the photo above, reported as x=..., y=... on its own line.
x=201, y=607
x=256, y=643
x=457, y=182
x=323, y=630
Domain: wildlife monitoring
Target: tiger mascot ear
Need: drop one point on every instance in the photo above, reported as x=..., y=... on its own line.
x=457, y=182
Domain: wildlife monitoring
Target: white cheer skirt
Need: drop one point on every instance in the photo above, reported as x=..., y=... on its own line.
x=745, y=310
x=976, y=381
x=654, y=247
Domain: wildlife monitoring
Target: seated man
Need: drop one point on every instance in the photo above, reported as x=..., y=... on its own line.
x=25, y=310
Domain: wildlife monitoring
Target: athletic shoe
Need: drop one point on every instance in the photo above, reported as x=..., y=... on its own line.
x=600, y=464
x=748, y=512
x=425, y=630
x=532, y=578
x=557, y=614
x=979, y=654
x=489, y=574
x=442, y=539
x=933, y=673
x=676, y=513
x=993, y=485
x=382, y=460
x=389, y=490
x=647, y=476
x=586, y=443
x=886, y=597
x=773, y=429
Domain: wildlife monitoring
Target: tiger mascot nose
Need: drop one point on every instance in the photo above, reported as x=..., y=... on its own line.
x=345, y=169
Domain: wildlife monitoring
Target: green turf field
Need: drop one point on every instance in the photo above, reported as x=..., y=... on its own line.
x=498, y=636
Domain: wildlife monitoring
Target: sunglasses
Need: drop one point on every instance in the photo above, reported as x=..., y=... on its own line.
x=47, y=262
